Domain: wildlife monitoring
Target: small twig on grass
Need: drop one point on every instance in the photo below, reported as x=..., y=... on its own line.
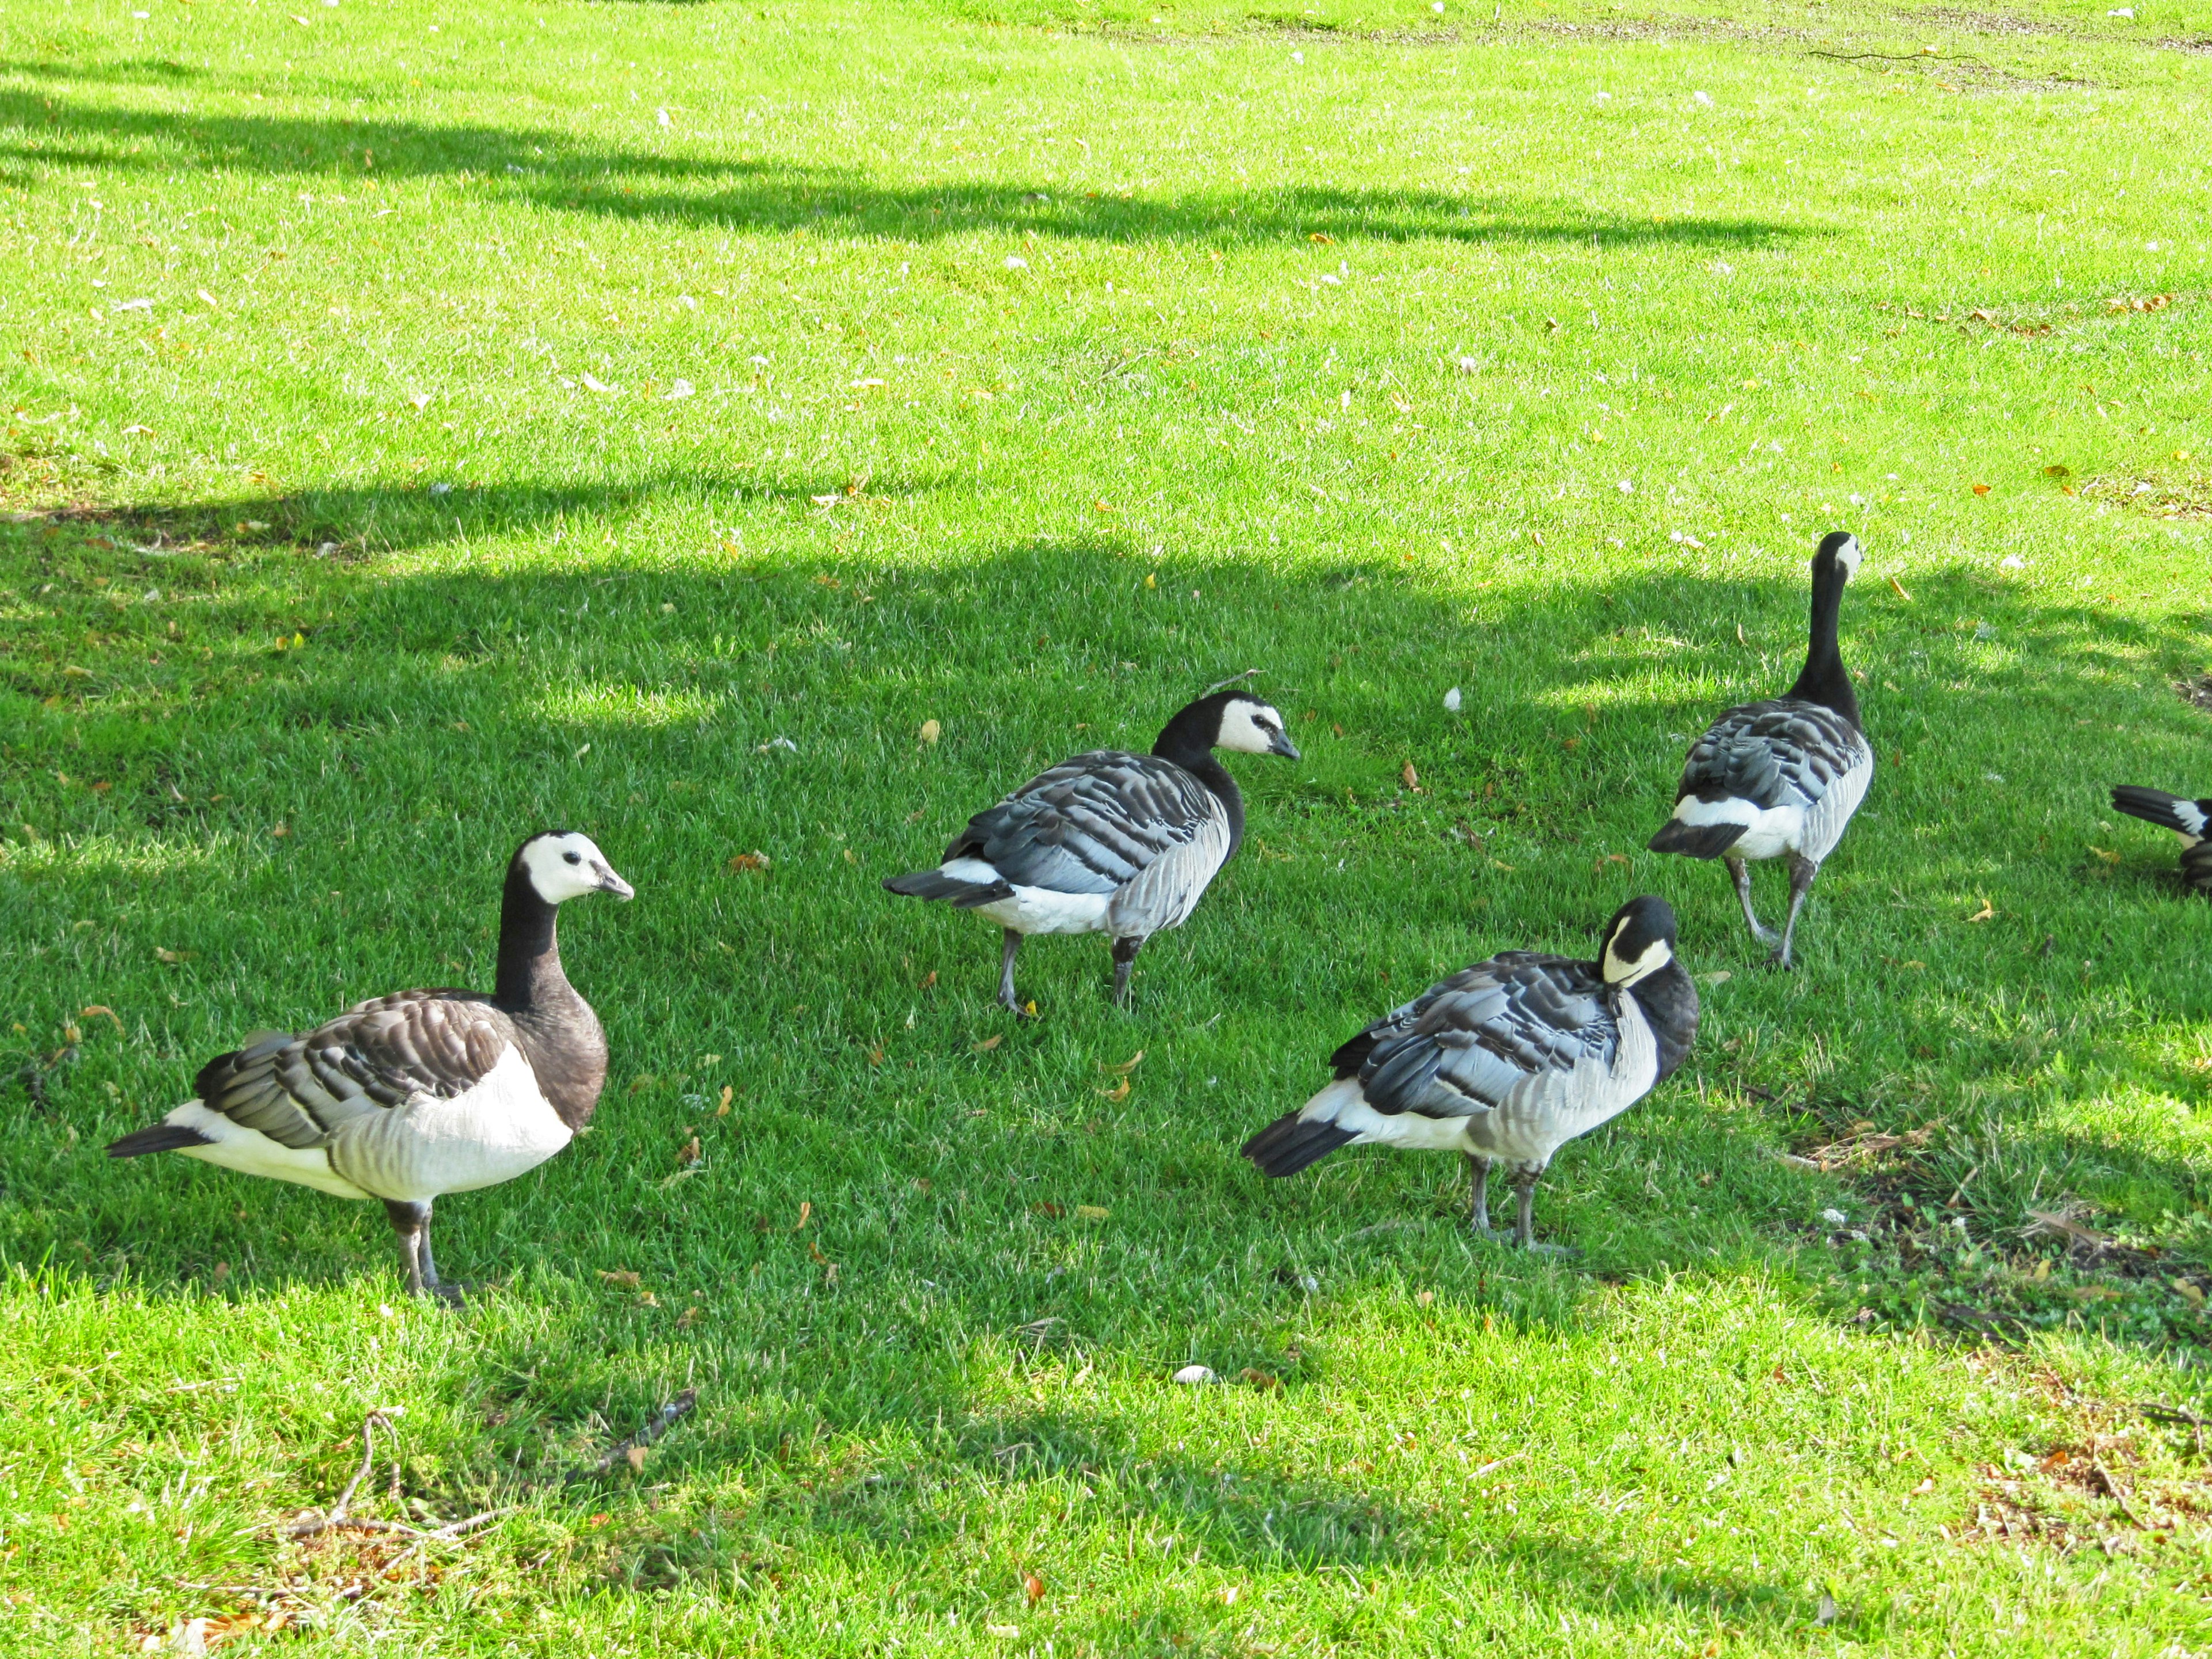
x=2191, y=1420
x=340, y=1513
x=632, y=1451
x=2112, y=1487
x=1901, y=58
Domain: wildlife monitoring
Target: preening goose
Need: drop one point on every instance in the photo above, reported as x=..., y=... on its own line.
x=1783, y=776
x=2186, y=818
x=1108, y=842
x=1505, y=1061
x=410, y=1097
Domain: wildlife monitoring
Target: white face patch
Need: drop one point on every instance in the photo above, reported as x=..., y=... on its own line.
x=1849, y=556
x=1249, y=728
x=562, y=867
x=1657, y=954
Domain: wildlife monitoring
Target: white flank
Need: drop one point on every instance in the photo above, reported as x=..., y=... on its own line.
x=1040, y=910
x=1344, y=1104
x=1769, y=831
x=502, y=1128
x=234, y=1146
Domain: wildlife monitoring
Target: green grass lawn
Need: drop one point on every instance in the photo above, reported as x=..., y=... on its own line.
x=427, y=425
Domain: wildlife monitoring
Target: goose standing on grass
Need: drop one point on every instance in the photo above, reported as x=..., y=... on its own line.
x=1782, y=777
x=1108, y=842
x=410, y=1097
x=1505, y=1061
x=2186, y=818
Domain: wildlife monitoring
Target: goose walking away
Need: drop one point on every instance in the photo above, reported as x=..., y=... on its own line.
x=407, y=1097
x=1505, y=1062
x=1781, y=777
x=2186, y=818
x=1108, y=842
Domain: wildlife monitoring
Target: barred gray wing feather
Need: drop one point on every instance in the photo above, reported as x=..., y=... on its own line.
x=1825, y=818
x=1165, y=891
x=1474, y=1041
x=1787, y=751
x=301, y=1091
x=1090, y=824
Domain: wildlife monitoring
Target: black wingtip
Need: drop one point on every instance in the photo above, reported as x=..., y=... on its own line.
x=936, y=884
x=1695, y=841
x=2152, y=805
x=161, y=1137
x=1293, y=1143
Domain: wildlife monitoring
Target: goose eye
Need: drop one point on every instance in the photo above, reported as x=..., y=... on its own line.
x=572, y=858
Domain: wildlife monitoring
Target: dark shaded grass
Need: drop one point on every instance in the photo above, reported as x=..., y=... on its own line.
x=370, y=745
x=551, y=169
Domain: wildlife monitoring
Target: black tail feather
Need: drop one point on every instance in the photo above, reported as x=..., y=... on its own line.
x=2151, y=805
x=1292, y=1143
x=159, y=1138
x=1695, y=841
x=936, y=884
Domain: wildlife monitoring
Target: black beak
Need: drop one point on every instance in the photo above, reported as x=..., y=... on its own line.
x=612, y=883
x=1282, y=746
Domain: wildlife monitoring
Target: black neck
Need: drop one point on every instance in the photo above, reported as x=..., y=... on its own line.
x=1197, y=759
x=530, y=974
x=1670, y=1001
x=1824, y=680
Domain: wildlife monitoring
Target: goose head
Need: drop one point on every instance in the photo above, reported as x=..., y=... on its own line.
x=1838, y=550
x=561, y=865
x=1248, y=727
x=1639, y=941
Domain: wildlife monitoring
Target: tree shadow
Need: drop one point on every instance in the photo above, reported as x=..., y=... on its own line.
x=552, y=170
x=404, y=724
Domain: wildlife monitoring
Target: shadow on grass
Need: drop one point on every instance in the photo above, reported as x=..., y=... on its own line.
x=552, y=170
x=428, y=716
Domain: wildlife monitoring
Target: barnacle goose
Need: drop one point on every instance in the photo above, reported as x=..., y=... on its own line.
x=2186, y=818
x=1783, y=775
x=1108, y=842
x=409, y=1096
x=1507, y=1060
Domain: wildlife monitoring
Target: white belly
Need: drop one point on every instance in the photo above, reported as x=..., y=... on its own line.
x=502, y=1129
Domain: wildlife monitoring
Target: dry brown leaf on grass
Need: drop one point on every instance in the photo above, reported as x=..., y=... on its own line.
x=1412, y=778
x=1118, y=1093
x=1125, y=1067
x=1032, y=1588
x=688, y=1152
x=1985, y=913
x=744, y=862
x=620, y=1277
x=987, y=1044
x=723, y=1110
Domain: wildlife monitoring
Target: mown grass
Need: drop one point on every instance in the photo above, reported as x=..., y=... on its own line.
x=489, y=452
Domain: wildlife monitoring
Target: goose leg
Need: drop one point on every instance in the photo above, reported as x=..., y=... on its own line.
x=1524, y=1224
x=1802, y=872
x=1477, y=1174
x=1124, y=957
x=1008, y=951
x=411, y=1221
x=1740, y=873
